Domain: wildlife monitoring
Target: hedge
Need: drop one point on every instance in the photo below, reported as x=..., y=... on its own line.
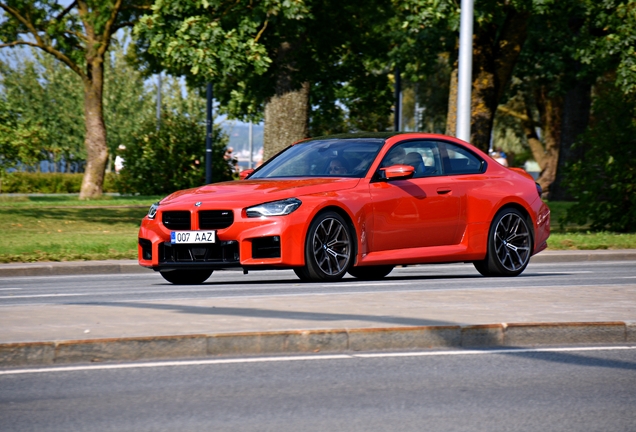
x=24, y=182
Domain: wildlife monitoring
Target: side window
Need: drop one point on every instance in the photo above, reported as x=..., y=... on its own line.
x=462, y=161
x=424, y=156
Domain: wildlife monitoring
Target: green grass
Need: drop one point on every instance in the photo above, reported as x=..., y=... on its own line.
x=572, y=236
x=63, y=228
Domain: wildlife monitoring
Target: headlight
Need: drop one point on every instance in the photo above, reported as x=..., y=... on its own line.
x=153, y=210
x=274, y=208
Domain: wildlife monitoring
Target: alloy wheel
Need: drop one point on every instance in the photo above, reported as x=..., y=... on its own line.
x=512, y=242
x=331, y=246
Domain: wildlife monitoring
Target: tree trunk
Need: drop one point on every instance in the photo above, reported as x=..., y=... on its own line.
x=551, y=111
x=576, y=115
x=495, y=53
x=95, y=141
x=484, y=88
x=286, y=113
x=285, y=120
x=451, y=117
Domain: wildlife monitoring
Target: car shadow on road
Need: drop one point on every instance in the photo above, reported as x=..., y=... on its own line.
x=276, y=314
x=345, y=281
x=570, y=359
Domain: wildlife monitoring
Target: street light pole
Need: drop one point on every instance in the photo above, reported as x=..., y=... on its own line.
x=464, y=81
x=208, y=136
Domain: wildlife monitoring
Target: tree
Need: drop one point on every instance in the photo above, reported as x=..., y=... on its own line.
x=20, y=140
x=271, y=55
x=171, y=158
x=79, y=36
x=431, y=28
x=45, y=93
x=603, y=180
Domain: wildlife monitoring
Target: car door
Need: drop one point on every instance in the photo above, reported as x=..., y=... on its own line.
x=420, y=211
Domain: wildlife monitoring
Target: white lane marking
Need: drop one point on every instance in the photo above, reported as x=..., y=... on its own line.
x=567, y=272
x=40, y=295
x=10, y=289
x=182, y=363
x=298, y=294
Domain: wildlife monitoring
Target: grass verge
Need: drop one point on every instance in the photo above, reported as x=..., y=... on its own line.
x=63, y=228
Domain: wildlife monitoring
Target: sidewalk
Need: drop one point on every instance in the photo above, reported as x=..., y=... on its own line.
x=346, y=322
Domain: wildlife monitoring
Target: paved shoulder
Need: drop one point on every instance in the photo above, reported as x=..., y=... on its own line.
x=131, y=266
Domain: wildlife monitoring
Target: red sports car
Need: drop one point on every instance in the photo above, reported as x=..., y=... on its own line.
x=361, y=204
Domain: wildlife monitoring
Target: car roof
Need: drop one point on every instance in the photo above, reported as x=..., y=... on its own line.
x=358, y=135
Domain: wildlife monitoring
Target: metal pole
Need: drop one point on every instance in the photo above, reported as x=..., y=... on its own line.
x=159, y=101
x=208, y=136
x=464, y=80
x=251, y=145
x=398, y=100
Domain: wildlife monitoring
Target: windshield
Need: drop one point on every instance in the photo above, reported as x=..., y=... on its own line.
x=323, y=158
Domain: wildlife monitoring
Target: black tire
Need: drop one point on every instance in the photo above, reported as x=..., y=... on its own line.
x=328, y=249
x=370, y=272
x=302, y=274
x=186, y=277
x=509, y=245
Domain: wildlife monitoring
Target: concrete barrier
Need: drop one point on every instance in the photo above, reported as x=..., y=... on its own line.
x=313, y=341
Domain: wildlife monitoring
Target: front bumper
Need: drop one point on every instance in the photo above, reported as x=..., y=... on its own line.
x=276, y=242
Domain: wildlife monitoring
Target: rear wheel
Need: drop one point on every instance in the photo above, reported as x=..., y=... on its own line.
x=186, y=277
x=328, y=249
x=509, y=245
x=370, y=272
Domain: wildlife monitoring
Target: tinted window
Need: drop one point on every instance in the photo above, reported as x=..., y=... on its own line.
x=323, y=158
x=462, y=161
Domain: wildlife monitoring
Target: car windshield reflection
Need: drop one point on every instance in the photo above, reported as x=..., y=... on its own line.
x=323, y=158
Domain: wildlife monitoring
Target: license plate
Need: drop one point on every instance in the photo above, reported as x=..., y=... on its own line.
x=178, y=237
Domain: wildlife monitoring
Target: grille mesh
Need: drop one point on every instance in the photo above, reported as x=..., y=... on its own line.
x=176, y=220
x=215, y=219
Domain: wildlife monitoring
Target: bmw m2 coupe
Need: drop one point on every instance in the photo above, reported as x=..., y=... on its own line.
x=358, y=204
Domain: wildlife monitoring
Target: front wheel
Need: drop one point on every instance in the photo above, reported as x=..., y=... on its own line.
x=509, y=245
x=370, y=272
x=186, y=277
x=328, y=249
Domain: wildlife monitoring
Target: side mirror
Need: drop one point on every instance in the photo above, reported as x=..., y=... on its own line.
x=245, y=173
x=397, y=172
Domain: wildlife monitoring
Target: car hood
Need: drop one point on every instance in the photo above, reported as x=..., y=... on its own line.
x=249, y=192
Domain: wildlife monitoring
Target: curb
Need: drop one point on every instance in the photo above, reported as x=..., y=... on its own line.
x=69, y=268
x=312, y=341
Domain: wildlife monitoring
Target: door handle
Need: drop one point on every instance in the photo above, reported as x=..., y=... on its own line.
x=443, y=190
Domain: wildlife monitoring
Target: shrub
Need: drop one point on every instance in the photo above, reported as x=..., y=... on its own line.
x=604, y=181
x=172, y=158
x=48, y=183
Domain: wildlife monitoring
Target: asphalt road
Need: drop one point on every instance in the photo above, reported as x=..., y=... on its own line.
x=151, y=286
x=571, y=389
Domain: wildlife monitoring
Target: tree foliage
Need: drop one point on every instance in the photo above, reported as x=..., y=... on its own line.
x=45, y=92
x=603, y=182
x=257, y=52
x=20, y=140
x=171, y=158
x=48, y=94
